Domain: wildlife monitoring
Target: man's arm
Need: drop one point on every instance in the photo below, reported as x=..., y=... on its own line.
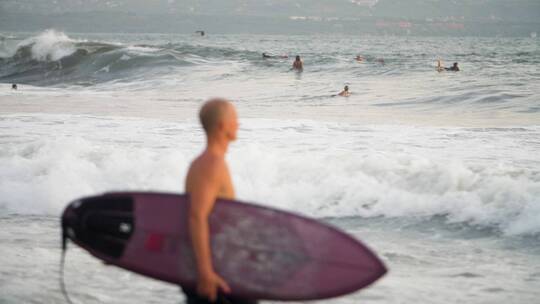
x=203, y=195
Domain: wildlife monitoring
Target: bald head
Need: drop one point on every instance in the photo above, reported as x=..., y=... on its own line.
x=213, y=112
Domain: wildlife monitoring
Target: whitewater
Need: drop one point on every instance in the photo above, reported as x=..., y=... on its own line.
x=439, y=173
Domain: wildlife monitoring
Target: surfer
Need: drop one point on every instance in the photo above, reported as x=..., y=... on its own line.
x=345, y=92
x=208, y=178
x=298, y=65
x=454, y=68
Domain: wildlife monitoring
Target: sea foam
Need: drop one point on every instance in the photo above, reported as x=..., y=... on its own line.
x=50, y=45
x=317, y=169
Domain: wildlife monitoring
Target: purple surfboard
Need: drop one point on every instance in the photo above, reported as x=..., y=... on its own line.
x=262, y=253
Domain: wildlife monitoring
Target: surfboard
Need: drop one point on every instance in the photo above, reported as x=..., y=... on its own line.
x=262, y=253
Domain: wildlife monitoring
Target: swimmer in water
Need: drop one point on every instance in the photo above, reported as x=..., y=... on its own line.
x=264, y=55
x=298, y=65
x=345, y=92
x=454, y=68
x=14, y=86
x=359, y=58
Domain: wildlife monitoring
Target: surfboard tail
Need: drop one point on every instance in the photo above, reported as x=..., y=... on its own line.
x=103, y=226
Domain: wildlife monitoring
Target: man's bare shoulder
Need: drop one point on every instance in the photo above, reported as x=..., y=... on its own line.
x=208, y=165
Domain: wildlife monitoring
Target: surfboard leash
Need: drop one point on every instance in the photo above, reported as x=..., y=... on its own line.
x=62, y=266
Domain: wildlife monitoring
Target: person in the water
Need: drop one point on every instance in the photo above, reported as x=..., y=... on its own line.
x=200, y=33
x=454, y=68
x=359, y=58
x=298, y=65
x=14, y=86
x=345, y=92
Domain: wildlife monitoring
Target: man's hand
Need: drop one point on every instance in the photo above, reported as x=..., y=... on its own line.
x=208, y=285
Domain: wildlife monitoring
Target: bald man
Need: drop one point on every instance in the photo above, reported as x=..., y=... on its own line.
x=208, y=178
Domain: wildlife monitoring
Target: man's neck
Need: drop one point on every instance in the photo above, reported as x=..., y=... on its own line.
x=217, y=147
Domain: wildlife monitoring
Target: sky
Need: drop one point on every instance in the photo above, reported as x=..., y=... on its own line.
x=523, y=10
x=508, y=17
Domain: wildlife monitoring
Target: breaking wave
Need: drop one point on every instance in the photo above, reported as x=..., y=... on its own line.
x=52, y=58
x=66, y=157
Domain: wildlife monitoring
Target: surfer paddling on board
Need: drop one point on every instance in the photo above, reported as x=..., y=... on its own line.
x=208, y=178
x=453, y=68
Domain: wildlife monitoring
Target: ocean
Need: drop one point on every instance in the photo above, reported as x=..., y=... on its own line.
x=438, y=173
